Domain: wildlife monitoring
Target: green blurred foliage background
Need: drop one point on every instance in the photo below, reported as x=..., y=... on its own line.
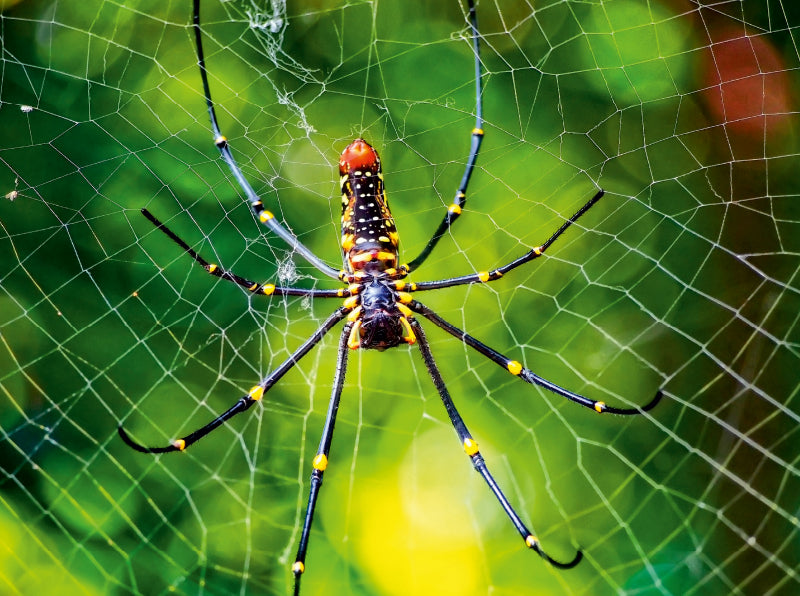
x=683, y=277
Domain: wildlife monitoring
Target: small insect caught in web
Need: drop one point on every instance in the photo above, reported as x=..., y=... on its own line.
x=377, y=307
x=12, y=195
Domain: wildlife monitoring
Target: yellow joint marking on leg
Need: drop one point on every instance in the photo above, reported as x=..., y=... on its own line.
x=600, y=406
x=350, y=302
x=256, y=204
x=353, y=316
x=354, y=341
x=454, y=209
x=514, y=367
x=320, y=462
x=256, y=393
x=532, y=541
x=268, y=289
x=221, y=141
x=390, y=271
x=410, y=337
x=483, y=276
x=298, y=567
x=212, y=267
x=404, y=269
x=477, y=131
x=179, y=444
x=470, y=446
x=537, y=250
x=405, y=310
x=252, y=288
x=265, y=216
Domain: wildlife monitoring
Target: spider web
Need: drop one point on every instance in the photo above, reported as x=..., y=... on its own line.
x=684, y=276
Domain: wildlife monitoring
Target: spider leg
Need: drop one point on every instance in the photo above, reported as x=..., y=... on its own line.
x=321, y=459
x=525, y=374
x=454, y=210
x=264, y=216
x=486, y=276
x=471, y=449
x=250, y=286
x=254, y=395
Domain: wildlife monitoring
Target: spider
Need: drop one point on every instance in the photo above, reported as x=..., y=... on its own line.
x=378, y=306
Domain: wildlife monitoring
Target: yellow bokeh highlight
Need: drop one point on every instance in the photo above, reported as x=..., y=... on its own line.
x=417, y=531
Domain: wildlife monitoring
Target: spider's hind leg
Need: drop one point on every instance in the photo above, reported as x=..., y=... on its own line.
x=460, y=199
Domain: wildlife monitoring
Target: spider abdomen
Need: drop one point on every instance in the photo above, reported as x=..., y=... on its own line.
x=369, y=236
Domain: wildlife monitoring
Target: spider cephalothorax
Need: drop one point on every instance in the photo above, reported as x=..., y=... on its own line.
x=380, y=316
x=378, y=305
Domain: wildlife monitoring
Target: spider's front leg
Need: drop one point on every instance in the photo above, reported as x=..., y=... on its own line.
x=254, y=395
x=470, y=447
x=320, y=462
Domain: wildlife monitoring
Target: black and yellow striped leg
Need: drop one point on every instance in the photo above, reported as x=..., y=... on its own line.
x=460, y=199
x=321, y=459
x=250, y=286
x=471, y=449
x=486, y=276
x=264, y=216
x=523, y=373
x=254, y=395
